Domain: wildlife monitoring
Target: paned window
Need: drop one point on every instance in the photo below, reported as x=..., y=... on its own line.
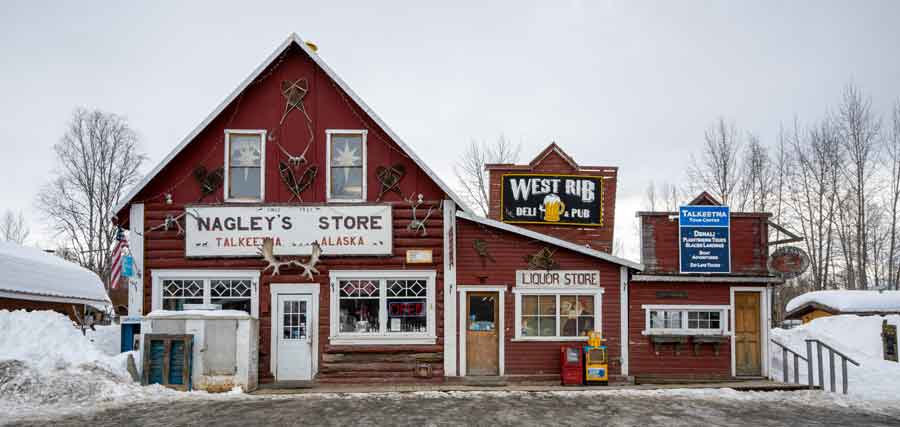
x=177, y=293
x=346, y=165
x=665, y=319
x=685, y=320
x=244, y=165
x=177, y=289
x=549, y=316
x=294, y=322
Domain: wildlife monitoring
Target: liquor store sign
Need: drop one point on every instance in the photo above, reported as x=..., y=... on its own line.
x=552, y=199
x=704, y=239
x=557, y=278
x=238, y=231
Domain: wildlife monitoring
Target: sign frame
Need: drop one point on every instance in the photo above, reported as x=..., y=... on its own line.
x=595, y=274
x=600, y=198
x=682, y=227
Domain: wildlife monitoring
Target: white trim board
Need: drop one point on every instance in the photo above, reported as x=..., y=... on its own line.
x=703, y=279
x=158, y=275
x=764, y=314
x=501, y=327
x=549, y=239
x=276, y=289
x=449, y=298
x=293, y=38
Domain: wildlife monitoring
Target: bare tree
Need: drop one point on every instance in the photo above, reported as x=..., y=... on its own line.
x=757, y=178
x=858, y=131
x=97, y=161
x=13, y=227
x=892, y=151
x=650, y=202
x=471, y=173
x=718, y=169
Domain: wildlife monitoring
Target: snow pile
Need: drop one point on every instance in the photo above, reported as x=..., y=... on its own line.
x=107, y=338
x=858, y=337
x=33, y=271
x=850, y=301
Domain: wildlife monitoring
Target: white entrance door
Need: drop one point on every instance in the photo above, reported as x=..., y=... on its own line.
x=295, y=338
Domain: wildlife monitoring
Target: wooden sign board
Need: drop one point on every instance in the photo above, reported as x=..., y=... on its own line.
x=419, y=256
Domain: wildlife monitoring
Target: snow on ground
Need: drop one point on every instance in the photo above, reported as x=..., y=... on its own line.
x=106, y=338
x=850, y=301
x=48, y=366
x=859, y=337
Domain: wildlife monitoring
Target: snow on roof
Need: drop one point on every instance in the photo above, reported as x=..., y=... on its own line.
x=30, y=273
x=550, y=239
x=849, y=301
x=293, y=38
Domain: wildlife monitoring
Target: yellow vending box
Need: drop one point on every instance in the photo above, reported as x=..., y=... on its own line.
x=596, y=366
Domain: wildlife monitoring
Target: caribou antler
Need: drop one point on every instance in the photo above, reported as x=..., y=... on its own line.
x=309, y=267
x=268, y=253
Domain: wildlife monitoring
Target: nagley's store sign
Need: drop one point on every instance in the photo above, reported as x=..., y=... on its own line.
x=557, y=278
x=238, y=231
x=552, y=199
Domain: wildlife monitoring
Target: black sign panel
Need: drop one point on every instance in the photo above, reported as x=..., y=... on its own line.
x=552, y=199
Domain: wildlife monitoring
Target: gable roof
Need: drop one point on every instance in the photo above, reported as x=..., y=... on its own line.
x=550, y=239
x=844, y=301
x=553, y=148
x=293, y=38
x=705, y=198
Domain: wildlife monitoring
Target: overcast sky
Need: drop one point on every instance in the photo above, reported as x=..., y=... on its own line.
x=629, y=84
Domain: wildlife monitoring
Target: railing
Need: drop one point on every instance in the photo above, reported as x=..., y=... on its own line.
x=784, y=362
x=809, y=365
x=831, y=353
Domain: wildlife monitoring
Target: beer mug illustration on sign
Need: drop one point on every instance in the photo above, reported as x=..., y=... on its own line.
x=553, y=208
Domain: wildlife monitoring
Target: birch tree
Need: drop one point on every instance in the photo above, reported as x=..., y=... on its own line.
x=717, y=169
x=471, y=173
x=892, y=158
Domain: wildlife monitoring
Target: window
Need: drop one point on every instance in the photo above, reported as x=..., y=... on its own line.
x=346, y=165
x=244, y=163
x=685, y=320
x=543, y=314
x=226, y=290
x=383, y=307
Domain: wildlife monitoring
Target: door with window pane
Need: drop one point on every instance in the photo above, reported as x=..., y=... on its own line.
x=294, y=332
x=482, y=335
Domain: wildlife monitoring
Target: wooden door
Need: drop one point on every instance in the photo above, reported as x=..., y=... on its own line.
x=747, y=331
x=482, y=335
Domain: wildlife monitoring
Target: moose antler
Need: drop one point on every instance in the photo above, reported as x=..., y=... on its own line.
x=309, y=267
x=416, y=224
x=268, y=253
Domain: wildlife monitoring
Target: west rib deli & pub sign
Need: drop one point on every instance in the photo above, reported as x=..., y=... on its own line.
x=238, y=231
x=552, y=199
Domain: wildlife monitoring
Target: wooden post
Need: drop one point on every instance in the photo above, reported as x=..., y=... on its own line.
x=831, y=367
x=809, y=364
x=784, y=363
x=821, y=368
x=844, y=373
x=796, y=368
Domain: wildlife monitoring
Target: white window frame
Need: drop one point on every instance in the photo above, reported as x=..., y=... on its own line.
x=328, y=133
x=382, y=338
x=724, y=324
x=518, y=292
x=262, y=165
x=206, y=275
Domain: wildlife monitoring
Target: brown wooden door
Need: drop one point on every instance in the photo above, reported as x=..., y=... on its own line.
x=482, y=335
x=747, y=346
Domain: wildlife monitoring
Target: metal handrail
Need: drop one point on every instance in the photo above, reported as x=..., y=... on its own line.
x=784, y=351
x=831, y=353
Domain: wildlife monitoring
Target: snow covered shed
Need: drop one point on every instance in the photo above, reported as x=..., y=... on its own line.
x=813, y=305
x=32, y=279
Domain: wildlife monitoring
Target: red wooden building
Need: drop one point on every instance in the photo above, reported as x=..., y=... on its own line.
x=383, y=274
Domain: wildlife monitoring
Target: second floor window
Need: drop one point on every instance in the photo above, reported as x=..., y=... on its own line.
x=346, y=165
x=244, y=164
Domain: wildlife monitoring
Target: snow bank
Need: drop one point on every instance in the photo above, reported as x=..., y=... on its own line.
x=106, y=338
x=859, y=337
x=33, y=271
x=850, y=301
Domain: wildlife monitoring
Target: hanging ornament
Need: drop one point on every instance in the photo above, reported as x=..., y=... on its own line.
x=542, y=260
x=294, y=184
x=417, y=225
x=294, y=91
x=210, y=182
x=389, y=177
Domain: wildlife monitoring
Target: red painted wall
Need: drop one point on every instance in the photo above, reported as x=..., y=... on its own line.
x=644, y=360
x=749, y=243
x=509, y=251
x=260, y=107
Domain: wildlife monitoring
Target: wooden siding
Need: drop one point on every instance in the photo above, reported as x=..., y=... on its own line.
x=600, y=238
x=509, y=250
x=749, y=243
x=64, y=308
x=643, y=358
x=260, y=107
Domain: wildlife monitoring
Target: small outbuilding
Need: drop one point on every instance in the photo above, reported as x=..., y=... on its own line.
x=813, y=305
x=32, y=279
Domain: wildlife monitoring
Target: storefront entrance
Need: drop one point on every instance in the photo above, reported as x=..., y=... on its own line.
x=482, y=334
x=747, y=334
x=294, y=333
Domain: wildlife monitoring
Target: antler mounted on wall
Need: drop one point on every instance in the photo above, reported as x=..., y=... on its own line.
x=416, y=224
x=267, y=250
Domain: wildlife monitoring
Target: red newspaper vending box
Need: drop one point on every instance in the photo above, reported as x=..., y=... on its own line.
x=571, y=368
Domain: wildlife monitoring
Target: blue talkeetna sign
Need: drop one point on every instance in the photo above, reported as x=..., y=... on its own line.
x=704, y=241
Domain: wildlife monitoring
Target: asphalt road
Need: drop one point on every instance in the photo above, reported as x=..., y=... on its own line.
x=490, y=409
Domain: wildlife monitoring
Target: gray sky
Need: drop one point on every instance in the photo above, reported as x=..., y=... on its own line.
x=631, y=84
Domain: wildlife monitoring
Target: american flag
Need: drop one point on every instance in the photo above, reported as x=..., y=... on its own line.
x=118, y=258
